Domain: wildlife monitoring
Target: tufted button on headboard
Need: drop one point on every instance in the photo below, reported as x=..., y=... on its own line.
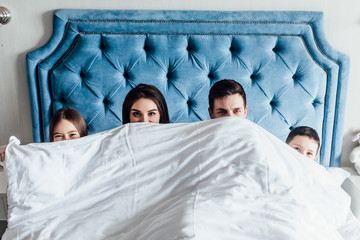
x=291, y=76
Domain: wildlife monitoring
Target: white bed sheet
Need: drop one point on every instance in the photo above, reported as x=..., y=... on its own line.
x=219, y=179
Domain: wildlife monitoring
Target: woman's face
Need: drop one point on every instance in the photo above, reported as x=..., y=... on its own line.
x=65, y=130
x=144, y=110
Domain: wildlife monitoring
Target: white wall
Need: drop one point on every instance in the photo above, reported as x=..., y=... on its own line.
x=31, y=27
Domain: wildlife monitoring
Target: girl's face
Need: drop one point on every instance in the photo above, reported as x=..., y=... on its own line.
x=144, y=110
x=65, y=130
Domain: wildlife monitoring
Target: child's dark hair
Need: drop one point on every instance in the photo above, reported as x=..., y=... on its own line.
x=304, y=131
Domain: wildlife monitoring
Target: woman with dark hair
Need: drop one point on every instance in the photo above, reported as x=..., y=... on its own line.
x=145, y=103
x=66, y=124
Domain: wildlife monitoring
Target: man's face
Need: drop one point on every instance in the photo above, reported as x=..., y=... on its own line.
x=231, y=105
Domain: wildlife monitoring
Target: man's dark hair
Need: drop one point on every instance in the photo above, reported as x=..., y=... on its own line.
x=224, y=88
x=304, y=131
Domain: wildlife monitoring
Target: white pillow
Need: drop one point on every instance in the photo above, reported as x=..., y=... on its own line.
x=339, y=174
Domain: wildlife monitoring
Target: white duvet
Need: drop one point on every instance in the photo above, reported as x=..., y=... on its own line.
x=220, y=179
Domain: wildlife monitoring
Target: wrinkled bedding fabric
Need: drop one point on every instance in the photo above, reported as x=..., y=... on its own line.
x=219, y=179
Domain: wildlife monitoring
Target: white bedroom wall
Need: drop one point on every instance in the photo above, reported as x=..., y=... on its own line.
x=31, y=27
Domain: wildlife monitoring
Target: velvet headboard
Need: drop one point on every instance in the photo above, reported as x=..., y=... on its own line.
x=292, y=77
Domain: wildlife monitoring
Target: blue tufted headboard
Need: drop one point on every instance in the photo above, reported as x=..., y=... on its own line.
x=291, y=75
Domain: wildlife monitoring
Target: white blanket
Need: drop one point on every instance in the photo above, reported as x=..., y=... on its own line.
x=219, y=179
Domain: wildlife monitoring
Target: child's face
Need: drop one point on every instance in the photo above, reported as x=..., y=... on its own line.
x=65, y=130
x=305, y=145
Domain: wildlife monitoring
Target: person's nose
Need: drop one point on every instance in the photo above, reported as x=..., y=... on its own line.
x=230, y=114
x=144, y=118
x=66, y=137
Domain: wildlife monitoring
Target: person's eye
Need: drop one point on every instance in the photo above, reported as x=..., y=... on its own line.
x=222, y=112
x=152, y=114
x=136, y=114
x=237, y=111
x=310, y=154
x=297, y=149
x=58, y=136
x=74, y=134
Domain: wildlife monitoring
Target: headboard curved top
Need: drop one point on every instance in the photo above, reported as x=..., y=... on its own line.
x=292, y=77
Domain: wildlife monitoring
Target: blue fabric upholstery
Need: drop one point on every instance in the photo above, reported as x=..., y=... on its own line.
x=291, y=75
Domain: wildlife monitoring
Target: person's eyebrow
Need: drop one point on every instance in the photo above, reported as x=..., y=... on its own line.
x=153, y=110
x=133, y=109
x=71, y=131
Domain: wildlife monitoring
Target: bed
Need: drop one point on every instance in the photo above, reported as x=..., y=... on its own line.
x=291, y=75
